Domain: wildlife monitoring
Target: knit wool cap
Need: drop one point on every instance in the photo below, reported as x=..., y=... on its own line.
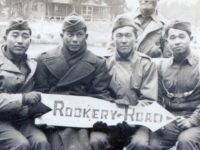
x=73, y=22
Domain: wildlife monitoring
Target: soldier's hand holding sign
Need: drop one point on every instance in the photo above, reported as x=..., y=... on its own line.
x=31, y=98
x=183, y=122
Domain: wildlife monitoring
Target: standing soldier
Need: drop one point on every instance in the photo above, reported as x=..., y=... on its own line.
x=71, y=69
x=179, y=85
x=17, y=130
x=150, y=24
x=134, y=82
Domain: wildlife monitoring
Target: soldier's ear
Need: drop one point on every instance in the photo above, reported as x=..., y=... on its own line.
x=86, y=36
x=2, y=83
x=5, y=38
x=191, y=38
x=165, y=42
x=61, y=35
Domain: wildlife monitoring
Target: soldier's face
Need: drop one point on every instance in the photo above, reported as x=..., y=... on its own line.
x=124, y=40
x=148, y=4
x=18, y=42
x=178, y=41
x=74, y=40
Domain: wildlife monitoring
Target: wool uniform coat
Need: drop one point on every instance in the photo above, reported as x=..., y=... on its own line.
x=87, y=77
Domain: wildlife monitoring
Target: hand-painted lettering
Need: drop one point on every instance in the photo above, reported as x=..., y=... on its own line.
x=58, y=106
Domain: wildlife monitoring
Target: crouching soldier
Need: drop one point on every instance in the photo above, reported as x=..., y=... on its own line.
x=71, y=69
x=179, y=88
x=17, y=130
x=134, y=82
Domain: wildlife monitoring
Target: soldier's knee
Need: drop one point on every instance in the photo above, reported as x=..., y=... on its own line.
x=183, y=137
x=138, y=144
x=97, y=137
x=40, y=143
x=98, y=141
x=23, y=144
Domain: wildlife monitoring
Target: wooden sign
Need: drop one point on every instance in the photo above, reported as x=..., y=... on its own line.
x=83, y=112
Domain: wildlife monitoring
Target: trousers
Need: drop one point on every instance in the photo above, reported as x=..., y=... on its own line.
x=139, y=140
x=61, y=138
x=171, y=134
x=23, y=136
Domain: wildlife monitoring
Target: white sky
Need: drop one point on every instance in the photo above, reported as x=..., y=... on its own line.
x=134, y=3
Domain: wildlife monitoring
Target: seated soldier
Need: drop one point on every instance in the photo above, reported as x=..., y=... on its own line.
x=17, y=130
x=179, y=86
x=134, y=82
x=71, y=69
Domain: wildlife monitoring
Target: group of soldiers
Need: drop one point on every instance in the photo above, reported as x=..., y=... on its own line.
x=128, y=77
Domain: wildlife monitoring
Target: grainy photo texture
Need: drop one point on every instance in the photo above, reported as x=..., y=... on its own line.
x=99, y=75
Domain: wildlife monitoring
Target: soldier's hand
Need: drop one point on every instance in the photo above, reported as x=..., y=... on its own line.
x=31, y=98
x=100, y=126
x=183, y=123
x=125, y=130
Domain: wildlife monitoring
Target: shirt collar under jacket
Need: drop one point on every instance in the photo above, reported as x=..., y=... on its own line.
x=153, y=15
x=189, y=59
x=4, y=48
x=119, y=58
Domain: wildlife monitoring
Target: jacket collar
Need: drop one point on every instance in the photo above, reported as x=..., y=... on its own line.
x=6, y=54
x=32, y=64
x=80, y=70
x=57, y=65
x=156, y=16
x=119, y=58
x=189, y=59
x=155, y=24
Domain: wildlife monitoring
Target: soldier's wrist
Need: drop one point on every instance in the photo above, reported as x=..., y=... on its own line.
x=23, y=99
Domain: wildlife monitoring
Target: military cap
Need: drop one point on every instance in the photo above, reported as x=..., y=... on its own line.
x=73, y=22
x=18, y=24
x=181, y=25
x=122, y=21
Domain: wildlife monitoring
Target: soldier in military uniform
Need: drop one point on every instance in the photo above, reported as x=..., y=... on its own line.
x=179, y=88
x=71, y=69
x=17, y=130
x=151, y=25
x=134, y=82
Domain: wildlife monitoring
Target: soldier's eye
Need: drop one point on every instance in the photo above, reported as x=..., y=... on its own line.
x=15, y=35
x=128, y=35
x=119, y=35
x=182, y=36
x=69, y=34
x=80, y=34
x=172, y=37
x=25, y=36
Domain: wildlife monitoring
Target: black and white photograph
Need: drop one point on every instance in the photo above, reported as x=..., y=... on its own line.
x=99, y=75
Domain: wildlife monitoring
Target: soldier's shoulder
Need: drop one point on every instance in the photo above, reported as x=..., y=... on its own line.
x=49, y=54
x=162, y=19
x=143, y=56
x=3, y=59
